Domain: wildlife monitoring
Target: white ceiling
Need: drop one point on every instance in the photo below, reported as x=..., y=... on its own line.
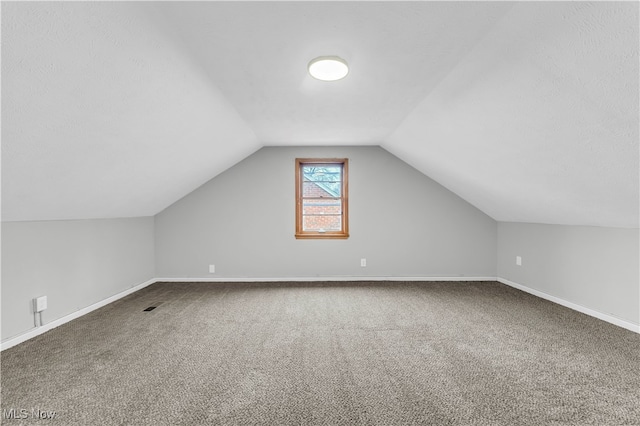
x=527, y=110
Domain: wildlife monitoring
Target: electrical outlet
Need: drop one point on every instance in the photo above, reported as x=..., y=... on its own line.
x=518, y=260
x=40, y=304
x=363, y=262
x=212, y=269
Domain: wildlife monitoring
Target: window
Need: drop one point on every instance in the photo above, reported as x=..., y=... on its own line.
x=322, y=202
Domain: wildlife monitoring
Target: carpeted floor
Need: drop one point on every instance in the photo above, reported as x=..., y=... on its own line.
x=387, y=353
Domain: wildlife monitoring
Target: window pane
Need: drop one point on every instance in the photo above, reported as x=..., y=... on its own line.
x=322, y=223
x=322, y=207
x=321, y=189
x=322, y=177
x=322, y=172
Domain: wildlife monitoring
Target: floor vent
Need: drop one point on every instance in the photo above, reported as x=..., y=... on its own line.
x=150, y=308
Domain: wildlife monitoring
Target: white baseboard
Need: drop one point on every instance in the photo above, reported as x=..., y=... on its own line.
x=604, y=317
x=56, y=323
x=324, y=278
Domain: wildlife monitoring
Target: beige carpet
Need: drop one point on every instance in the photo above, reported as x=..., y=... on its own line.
x=391, y=353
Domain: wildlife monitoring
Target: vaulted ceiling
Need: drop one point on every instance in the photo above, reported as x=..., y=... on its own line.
x=529, y=111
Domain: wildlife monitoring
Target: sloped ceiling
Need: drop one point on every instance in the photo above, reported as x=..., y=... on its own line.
x=529, y=111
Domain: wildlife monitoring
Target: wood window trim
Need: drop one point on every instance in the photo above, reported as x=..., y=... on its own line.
x=344, y=196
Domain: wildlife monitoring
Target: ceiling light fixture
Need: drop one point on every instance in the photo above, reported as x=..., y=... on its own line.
x=328, y=68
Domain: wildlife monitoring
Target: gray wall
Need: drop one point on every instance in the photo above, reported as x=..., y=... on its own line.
x=243, y=221
x=74, y=263
x=402, y=222
x=597, y=268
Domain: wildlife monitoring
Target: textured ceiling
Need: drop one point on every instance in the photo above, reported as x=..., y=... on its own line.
x=527, y=110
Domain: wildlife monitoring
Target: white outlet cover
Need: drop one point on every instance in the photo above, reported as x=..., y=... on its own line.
x=212, y=269
x=518, y=260
x=363, y=262
x=41, y=303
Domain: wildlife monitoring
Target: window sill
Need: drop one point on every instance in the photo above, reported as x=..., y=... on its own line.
x=322, y=236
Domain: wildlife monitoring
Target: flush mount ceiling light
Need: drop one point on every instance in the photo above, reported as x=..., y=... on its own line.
x=328, y=68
